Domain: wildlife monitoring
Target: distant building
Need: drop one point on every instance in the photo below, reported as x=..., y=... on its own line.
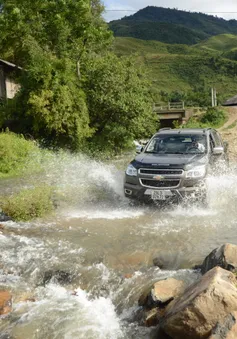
x=231, y=101
x=8, y=85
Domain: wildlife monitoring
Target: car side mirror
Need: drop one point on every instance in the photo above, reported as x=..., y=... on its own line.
x=218, y=150
x=139, y=150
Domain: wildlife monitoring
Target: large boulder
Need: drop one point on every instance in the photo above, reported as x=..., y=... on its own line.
x=162, y=293
x=194, y=314
x=156, y=298
x=224, y=256
x=5, y=302
x=226, y=329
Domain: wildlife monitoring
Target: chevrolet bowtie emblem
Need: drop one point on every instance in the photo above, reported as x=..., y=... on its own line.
x=158, y=177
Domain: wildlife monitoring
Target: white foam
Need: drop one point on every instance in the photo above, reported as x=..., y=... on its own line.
x=192, y=211
x=103, y=214
x=72, y=316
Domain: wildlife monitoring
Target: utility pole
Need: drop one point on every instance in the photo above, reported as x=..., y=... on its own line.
x=213, y=97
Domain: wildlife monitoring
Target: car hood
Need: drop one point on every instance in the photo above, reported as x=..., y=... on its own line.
x=169, y=160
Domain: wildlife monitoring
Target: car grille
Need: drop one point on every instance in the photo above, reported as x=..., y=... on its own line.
x=154, y=171
x=160, y=183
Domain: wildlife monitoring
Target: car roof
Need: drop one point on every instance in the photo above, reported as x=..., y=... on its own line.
x=183, y=131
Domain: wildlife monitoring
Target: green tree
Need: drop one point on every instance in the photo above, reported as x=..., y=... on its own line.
x=51, y=40
x=119, y=102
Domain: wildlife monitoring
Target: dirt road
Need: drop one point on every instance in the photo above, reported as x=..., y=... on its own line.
x=229, y=132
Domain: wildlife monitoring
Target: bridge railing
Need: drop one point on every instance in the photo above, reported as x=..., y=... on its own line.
x=171, y=106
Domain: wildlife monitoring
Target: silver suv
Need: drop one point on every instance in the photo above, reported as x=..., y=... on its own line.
x=174, y=165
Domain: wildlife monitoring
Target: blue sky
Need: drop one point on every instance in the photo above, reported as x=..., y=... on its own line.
x=128, y=7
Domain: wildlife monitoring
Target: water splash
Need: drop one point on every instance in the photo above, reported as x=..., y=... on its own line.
x=68, y=316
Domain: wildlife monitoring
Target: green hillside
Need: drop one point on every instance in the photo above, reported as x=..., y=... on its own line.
x=224, y=45
x=182, y=69
x=172, y=26
x=221, y=43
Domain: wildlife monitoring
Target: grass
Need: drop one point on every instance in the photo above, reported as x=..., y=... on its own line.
x=17, y=155
x=221, y=43
x=24, y=159
x=233, y=125
x=182, y=68
x=28, y=204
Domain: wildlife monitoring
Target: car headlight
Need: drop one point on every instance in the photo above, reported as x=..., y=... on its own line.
x=131, y=171
x=196, y=172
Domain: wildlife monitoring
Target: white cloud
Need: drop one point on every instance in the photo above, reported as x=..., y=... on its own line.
x=220, y=7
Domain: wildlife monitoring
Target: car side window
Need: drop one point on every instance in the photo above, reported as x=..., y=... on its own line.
x=212, y=143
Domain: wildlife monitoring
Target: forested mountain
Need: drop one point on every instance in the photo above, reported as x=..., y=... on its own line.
x=171, y=25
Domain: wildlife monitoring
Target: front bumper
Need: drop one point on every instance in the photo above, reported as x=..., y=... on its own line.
x=137, y=192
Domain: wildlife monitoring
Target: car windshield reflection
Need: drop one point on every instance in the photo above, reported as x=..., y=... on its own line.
x=177, y=144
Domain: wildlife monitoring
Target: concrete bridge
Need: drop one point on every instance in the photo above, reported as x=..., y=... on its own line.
x=172, y=112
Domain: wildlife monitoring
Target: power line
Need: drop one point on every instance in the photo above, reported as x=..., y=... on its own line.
x=135, y=10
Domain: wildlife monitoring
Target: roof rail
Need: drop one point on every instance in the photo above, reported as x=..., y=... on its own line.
x=165, y=128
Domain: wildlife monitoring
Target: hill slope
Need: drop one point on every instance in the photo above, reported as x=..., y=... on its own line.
x=224, y=45
x=182, y=69
x=171, y=25
x=221, y=43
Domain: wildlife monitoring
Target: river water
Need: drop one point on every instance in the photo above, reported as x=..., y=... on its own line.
x=83, y=269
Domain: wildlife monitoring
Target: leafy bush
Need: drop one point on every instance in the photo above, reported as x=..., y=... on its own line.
x=16, y=154
x=214, y=116
x=28, y=204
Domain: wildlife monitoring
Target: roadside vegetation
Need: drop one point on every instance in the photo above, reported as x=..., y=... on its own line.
x=213, y=117
x=23, y=158
x=28, y=203
x=18, y=156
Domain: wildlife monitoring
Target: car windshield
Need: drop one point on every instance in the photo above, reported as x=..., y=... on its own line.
x=177, y=144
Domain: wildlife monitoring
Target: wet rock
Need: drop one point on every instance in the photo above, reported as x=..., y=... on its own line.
x=152, y=317
x=28, y=296
x=58, y=276
x=226, y=329
x=194, y=314
x=4, y=217
x=197, y=267
x=162, y=293
x=224, y=256
x=5, y=302
x=167, y=261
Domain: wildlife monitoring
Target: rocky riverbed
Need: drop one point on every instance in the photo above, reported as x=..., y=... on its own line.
x=205, y=309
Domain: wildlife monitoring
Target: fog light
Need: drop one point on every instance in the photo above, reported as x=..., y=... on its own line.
x=128, y=192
